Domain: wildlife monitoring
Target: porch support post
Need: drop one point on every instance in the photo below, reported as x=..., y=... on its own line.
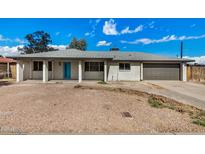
x=19, y=71
x=45, y=71
x=79, y=71
x=141, y=71
x=105, y=71
x=183, y=72
x=8, y=70
x=31, y=70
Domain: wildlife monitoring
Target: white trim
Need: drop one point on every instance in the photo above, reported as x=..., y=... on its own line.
x=19, y=72
x=183, y=72
x=141, y=71
x=105, y=71
x=79, y=71
x=45, y=71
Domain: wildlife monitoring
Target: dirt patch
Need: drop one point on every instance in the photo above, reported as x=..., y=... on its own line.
x=94, y=109
x=123, y=90
x=158, y=101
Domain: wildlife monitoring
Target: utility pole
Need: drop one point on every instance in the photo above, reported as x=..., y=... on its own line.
x=181, y=54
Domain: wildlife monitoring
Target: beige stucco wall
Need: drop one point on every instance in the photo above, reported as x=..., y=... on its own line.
x=58, y=69
x=114, y=74
x=38, y=75
x=26, y=70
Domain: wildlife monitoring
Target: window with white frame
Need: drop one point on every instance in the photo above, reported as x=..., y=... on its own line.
x=94, y=66
x=124, y=66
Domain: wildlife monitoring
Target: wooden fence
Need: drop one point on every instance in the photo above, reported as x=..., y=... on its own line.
x=13, y=70
x=196, y=72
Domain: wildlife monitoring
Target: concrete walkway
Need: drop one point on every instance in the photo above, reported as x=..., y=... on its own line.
x=185, y=92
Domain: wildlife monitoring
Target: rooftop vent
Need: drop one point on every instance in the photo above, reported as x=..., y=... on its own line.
x=114, y=49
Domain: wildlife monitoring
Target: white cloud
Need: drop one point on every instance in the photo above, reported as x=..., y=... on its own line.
x=128, y=31
x=69, y=35
x=97, y=21
x=109, y=28
x=87, y=34
x=90, y=21
x=94, y=25
x=198, y=60
x=167, y=38
x=57, y=33
x=103, y=43
x=151, y=24
x=193, y=25
x=90, y=34
x=8, y=51
x=60, y=47
x=3, y=39
x=18, y=40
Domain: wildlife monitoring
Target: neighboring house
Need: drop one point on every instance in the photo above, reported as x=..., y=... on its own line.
x=7, y=67
x=78, y=65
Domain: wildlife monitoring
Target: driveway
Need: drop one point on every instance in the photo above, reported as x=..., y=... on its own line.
x=185, y=92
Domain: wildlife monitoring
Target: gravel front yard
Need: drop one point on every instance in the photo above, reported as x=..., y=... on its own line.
x=63, y=109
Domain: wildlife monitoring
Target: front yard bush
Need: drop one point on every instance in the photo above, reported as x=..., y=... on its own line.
x=199, y=122
x=155, y=103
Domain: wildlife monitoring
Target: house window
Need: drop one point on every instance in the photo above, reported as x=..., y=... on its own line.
x=37, y=65
x=124, y=66
x=94, y=66
x=49, y=66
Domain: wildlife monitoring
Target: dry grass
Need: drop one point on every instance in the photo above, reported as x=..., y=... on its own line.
x=160, y=102
x=123, y=90
x=196, y=114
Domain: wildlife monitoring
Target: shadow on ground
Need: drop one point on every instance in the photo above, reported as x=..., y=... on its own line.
x=5, y=83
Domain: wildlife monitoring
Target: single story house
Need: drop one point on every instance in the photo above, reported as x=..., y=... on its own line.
x=72, y=64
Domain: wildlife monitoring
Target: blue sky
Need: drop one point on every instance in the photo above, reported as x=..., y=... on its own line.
x=160, y=36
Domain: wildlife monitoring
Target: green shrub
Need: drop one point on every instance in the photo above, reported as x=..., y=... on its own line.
x=199, y=122
x=102, y=82
x=155, y=103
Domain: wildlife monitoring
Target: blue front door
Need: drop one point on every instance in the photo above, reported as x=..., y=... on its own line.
x=67, y=71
